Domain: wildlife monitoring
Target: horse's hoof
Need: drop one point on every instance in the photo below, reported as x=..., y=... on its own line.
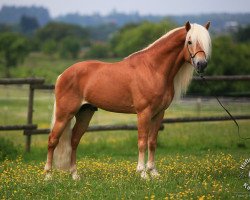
x=48, y=177
x=76, y=177
x=154, y=173
x=140, y=168
x=144, y=175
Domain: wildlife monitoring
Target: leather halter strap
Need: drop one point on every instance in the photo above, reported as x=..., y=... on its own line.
x=193, y=56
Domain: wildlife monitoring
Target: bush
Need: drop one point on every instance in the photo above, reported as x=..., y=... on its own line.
x=69, y=48
x=49, y=47
x=13, y=50
x=8, y=150
x=98, y=51
x=132, y=38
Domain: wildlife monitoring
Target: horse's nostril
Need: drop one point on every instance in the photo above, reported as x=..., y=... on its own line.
x=201, y=65
x=205, y=64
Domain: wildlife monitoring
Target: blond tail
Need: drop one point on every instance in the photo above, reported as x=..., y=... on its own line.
x=62, y=153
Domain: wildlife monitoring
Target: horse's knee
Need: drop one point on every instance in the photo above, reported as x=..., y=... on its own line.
x=142, y=145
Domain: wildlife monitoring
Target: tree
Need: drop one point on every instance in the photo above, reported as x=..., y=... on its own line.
x=58, y=31
x=243, y=34
x=49, y=47
x=70, y=47
x=98, y=51
x=133, y=37
x=13, y=50
x=5, y=28
x=69, y=38
x=102, y=32
x=28, y=25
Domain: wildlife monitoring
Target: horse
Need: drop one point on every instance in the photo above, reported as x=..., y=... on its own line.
x=144, y=83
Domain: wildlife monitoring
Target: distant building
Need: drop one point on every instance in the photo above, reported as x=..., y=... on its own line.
x=231, y=26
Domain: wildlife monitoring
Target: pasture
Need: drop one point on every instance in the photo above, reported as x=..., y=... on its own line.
x=195, y=160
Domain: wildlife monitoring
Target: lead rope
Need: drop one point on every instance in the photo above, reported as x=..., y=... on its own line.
x=231, y=116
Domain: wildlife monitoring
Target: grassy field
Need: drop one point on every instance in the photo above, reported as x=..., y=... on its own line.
x=195, y=160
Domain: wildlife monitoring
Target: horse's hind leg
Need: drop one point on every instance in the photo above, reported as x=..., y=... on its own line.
x=83, y=118
x=63, y=113
x=53, y=140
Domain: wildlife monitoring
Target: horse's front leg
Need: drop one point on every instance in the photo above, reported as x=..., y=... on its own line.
x=144, y=122
x=152, y=143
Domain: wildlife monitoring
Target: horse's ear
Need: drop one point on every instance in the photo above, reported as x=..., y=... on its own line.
x=207, y=25
x=188, y=26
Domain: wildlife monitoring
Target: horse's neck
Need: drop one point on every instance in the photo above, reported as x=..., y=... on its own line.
x=166, y=56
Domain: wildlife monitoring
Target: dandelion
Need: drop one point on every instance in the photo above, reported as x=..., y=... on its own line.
x=202, y=197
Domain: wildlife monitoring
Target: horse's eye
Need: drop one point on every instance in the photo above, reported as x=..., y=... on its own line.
x=189, y=42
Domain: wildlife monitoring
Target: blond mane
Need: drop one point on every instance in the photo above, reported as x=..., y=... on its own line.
x=182, y=80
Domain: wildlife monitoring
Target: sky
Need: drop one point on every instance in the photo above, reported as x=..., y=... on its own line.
x=157, y=7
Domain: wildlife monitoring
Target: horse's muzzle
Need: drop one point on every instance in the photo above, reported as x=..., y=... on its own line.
x=201, y=66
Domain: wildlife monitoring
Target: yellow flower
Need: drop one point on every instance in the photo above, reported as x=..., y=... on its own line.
x=202, y=197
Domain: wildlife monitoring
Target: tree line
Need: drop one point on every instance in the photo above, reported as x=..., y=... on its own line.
x=230, y=52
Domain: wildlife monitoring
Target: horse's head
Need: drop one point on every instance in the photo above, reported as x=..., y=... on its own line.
x=197, y=47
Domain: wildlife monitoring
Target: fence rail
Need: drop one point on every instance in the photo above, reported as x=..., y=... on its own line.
x=17, y=81
x=27, y=127
x=134, y=127
x=95, y=128
x=204, y=119
x=224, y=78
x=39, y=84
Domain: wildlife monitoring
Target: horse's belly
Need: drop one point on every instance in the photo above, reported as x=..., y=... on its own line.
x=112, y=104
x=111, y=97
x=119, y=109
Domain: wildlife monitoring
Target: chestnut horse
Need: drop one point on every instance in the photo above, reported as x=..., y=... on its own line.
x=144, y=83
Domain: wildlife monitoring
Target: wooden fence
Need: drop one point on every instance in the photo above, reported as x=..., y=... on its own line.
x=38, y=84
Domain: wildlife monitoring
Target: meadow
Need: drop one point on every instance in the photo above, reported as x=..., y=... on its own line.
x=195, y=160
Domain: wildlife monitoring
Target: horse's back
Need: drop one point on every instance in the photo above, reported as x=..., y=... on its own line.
x=77, y=71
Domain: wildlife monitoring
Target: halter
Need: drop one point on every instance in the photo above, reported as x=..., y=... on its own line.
x=193, y=56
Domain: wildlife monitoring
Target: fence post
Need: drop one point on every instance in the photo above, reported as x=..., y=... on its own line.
x=198, y=106
x=29, y=116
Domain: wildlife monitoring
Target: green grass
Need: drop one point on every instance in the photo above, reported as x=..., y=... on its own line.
x=40, y=65
x=195, y=160
x=209, y=175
